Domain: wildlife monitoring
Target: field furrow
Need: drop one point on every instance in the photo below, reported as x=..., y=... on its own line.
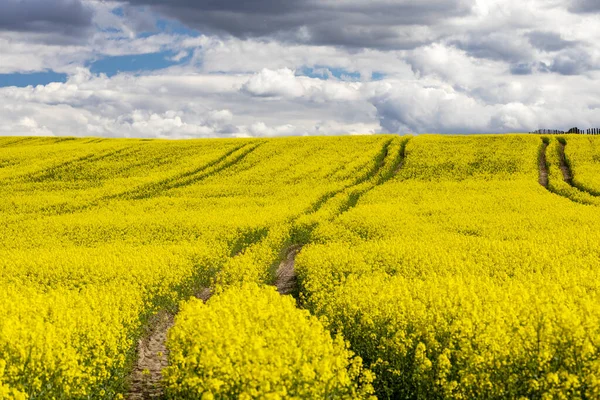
x=434, y=267
x=561, y=177
x=543, y=164
x=456, y=279
x=583, y=158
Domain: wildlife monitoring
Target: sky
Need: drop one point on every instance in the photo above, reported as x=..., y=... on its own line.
x=264, y=68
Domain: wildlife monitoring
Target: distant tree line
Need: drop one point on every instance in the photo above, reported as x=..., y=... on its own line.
x=575, y=130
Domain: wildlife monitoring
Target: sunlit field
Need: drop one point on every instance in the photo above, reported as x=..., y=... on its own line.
x=425, y=267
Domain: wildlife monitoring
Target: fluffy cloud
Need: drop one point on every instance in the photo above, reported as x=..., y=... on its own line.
x=283, y=83
x=278, y=102
x=176, y=106
x=267, y=68
x=516, y=107
x=270, y=83
x=414, y=108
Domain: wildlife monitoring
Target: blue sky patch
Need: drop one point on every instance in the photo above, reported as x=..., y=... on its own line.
x=33, y=79
x=175, y=27
x=162, y=25
x=135, y=63
x=168, y=26
x=322, y=72
x=118, y=11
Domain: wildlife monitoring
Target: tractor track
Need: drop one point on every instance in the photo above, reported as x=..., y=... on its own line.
x=564, y=165
x=543, y=165
x=155, y=188
x=189, y=177
x=145, y=380
x=568, y=174
x=153, y=356
x=286, y=280
x=567, y=189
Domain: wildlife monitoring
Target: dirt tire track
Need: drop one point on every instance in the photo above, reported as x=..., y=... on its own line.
x=543, y=165
x=564, y=166
x=145, y=381
x=402, y=156
x=155, y=188
x=153, y=356
x=286, y=280
x=568, y=175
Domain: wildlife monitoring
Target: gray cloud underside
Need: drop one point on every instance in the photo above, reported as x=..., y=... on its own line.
x=67, y=17
x=507, y=31
x=549, y=41
x=351, y=23
x=585, y=6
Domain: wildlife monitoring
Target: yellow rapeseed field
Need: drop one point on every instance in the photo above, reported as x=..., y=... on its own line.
x=250, y=342
x=465, y=278
x=432, y=267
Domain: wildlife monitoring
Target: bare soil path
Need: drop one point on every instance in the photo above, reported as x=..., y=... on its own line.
x=152, y=358
x=543, y=166
x=564, y=166
x=145, y=380
x=152, y=353
x=286, y=281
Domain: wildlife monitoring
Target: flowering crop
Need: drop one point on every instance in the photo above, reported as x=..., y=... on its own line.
x=250, y=342
x=99, y=235
x=463, y=277
x=583, y=156
x=557, y=182
x=450, y=271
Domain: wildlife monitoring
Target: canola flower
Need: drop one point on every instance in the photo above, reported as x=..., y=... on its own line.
x=582, y=155
x=221, y=360
x=455, y=276
x=463, y=277
x=99, y=235
x=251, y=343
x=558, y=167
x=258, y=262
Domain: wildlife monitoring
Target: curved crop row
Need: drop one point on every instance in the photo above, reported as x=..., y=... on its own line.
x=192, y=373
x=583, y=156
x=558, y=166
x=463, y=277
x=455, y=276
x=257, y=263
x=83, y=270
